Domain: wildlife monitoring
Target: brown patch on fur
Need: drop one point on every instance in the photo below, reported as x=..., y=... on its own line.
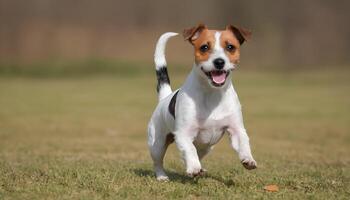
x=191, y=34
x=228, y=38
x=206, y=37
x=201, y=35
x=169, y=139
x=241, y=34
x=198, y=36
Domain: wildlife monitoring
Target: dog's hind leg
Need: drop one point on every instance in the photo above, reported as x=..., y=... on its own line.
x=158, y=144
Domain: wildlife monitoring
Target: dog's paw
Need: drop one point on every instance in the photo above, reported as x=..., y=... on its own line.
x=249, y=163
x=163, y=178
x=193, y=172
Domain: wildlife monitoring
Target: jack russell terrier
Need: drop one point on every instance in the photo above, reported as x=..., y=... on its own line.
x=197, y=115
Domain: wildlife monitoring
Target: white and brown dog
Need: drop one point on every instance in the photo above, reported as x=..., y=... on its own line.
x=197, y=115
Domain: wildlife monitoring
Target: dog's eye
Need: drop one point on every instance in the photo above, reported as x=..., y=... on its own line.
x=230, y=47
x=204, y=48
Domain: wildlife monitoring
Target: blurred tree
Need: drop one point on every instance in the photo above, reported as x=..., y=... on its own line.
x=294, y=33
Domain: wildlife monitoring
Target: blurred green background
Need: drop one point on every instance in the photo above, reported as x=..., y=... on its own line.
x=286, y=34
x=77, y=88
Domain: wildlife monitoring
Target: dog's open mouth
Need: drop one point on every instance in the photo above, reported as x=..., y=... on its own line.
x=217, y=77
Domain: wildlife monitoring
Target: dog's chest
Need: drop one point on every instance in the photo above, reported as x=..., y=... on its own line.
x=211, y=131
x=213, y=120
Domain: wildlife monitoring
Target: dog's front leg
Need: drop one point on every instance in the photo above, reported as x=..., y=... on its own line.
x=240, y=142
x=189, y=154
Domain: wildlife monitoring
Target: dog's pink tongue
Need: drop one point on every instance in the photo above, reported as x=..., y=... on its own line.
x=218, y=77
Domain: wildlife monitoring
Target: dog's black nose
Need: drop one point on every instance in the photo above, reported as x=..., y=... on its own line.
x=219, y=63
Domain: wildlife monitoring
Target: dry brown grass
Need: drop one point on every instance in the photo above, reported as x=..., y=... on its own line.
x=85, y=138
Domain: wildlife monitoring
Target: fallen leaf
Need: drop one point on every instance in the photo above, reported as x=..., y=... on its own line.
x=271, y=188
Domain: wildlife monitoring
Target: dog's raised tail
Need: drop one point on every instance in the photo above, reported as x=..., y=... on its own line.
x=163, y=85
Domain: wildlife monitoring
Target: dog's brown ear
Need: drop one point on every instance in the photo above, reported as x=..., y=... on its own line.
x=192, y=34
x=241, y=34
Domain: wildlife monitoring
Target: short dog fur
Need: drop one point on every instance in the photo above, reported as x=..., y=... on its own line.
x=197, y=115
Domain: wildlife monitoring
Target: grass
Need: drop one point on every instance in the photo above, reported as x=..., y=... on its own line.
x=84, y=137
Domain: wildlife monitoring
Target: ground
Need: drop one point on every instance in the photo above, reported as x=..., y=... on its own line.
x=84, y=137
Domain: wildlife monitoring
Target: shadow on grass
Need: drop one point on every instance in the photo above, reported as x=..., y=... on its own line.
x=176, y=177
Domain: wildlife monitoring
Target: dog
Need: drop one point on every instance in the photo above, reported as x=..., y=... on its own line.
x=197, y=115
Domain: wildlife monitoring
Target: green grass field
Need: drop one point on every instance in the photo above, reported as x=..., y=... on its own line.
x=84, y=137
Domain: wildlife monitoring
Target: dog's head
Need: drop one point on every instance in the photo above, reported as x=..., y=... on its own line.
x=217, y=52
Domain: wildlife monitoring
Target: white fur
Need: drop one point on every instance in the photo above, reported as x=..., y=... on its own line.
x=164, y=91
x=159, y=57
x=203, y=114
